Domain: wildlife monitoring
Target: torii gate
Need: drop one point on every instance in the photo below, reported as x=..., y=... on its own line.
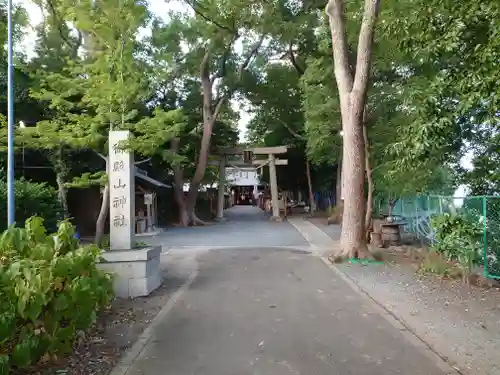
x=248, y=161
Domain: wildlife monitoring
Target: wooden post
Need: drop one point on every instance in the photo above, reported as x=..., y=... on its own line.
x=148, y=201
x=154, y=209
x=274, y=187
x=285, y=205
x=220, y=191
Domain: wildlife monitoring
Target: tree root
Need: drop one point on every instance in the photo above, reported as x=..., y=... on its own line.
x=361, y=253
x=196, y=221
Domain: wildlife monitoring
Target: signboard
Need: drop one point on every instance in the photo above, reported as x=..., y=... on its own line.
x=148, y=199
x=122, y=192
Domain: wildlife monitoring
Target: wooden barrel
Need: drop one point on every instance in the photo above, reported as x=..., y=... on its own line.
x=390, y=234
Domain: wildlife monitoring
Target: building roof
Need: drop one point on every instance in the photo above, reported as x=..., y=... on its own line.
x=143, y=175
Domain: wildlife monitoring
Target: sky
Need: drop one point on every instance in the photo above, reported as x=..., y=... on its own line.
x=159, y=7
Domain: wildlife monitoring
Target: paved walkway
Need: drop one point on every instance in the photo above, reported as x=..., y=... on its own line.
x=245, y=226
x=268, y=310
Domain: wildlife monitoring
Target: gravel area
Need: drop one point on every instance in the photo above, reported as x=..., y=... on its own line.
x=459, y=322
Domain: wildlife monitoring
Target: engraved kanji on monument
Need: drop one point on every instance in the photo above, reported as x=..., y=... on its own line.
x=121, y=176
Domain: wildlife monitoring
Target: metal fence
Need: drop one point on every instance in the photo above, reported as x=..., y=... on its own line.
x=483, y=210
x=324, y=200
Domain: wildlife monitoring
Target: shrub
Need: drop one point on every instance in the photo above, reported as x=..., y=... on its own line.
x=434, y=262
x=458, y=239
x=50, y=288
x=30, y=199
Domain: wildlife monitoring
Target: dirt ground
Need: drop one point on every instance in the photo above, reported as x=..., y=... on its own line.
x=458, y=321
x=97, y=352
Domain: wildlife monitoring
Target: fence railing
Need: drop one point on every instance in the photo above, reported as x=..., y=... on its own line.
x=324, y=200
x=481, y=210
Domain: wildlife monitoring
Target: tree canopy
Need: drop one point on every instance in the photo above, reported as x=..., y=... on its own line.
x=432, y=90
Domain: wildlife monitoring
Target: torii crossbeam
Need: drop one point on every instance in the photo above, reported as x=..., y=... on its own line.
x=271, y=161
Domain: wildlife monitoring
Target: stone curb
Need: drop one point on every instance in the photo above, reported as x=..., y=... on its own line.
x=387, y=314
x=132, y=354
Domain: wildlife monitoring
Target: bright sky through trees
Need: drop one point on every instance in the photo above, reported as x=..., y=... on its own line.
x=159, y=7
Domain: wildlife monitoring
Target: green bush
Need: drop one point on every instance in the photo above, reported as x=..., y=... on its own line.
x=30, y=199
x=50, y=288
x=458, y=239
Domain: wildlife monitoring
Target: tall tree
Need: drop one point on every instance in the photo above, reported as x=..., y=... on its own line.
x=455, y=51
x=104, y=89
x=203, y=46
x=353, y=83
x=55, y=46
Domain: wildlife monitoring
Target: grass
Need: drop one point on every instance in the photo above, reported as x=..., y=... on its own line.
x=435, y=263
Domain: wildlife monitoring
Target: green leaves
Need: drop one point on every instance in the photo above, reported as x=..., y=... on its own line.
x=49, y=289
x=454, y=49
x=458, y=239
x=30, y=198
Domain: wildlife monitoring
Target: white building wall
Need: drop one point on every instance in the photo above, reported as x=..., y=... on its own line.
x=242, y=176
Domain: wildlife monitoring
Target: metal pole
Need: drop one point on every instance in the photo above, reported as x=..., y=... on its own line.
x=10, y=120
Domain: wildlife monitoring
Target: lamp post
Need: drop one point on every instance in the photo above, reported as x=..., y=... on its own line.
x=10, y=119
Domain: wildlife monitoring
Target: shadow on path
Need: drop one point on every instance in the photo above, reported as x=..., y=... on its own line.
x=275, y=312
x=245, y=226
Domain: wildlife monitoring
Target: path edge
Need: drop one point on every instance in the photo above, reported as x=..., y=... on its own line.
x=134, y=352
x=398, y=323
x=408, y=333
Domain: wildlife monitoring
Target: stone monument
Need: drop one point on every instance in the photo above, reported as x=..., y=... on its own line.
x=137, y=269
x=121, y=192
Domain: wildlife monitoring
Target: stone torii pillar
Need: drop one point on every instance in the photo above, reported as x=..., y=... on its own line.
x=221, y=189
x=271, y=153
x=273, y=180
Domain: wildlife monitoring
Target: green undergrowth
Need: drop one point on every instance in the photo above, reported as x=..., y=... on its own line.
x=434, y=263
x=457, y=247
x=50, y=289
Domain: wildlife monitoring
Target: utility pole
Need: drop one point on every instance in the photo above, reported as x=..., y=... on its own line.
x=10, y=119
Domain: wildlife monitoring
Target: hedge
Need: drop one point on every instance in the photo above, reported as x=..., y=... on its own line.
x=31, y=198
x=50, y=288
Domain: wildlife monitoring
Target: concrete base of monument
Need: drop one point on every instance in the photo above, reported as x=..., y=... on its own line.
x=278, y=219
x=137, y=271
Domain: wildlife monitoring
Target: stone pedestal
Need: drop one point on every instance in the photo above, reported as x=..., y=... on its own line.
x=137, y=272
x=278, y=219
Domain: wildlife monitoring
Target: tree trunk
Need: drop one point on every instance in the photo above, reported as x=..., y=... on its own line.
x=353, y=239
x=103, y=215
x=309, y=186
x=200, y=171
x=179, y=197
x=369, y=178
x=181, y=204
x=352, y=83
x=211, y=109
x=187, y=215
x=58, y=161
x=103, y=212
x=62, y=193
